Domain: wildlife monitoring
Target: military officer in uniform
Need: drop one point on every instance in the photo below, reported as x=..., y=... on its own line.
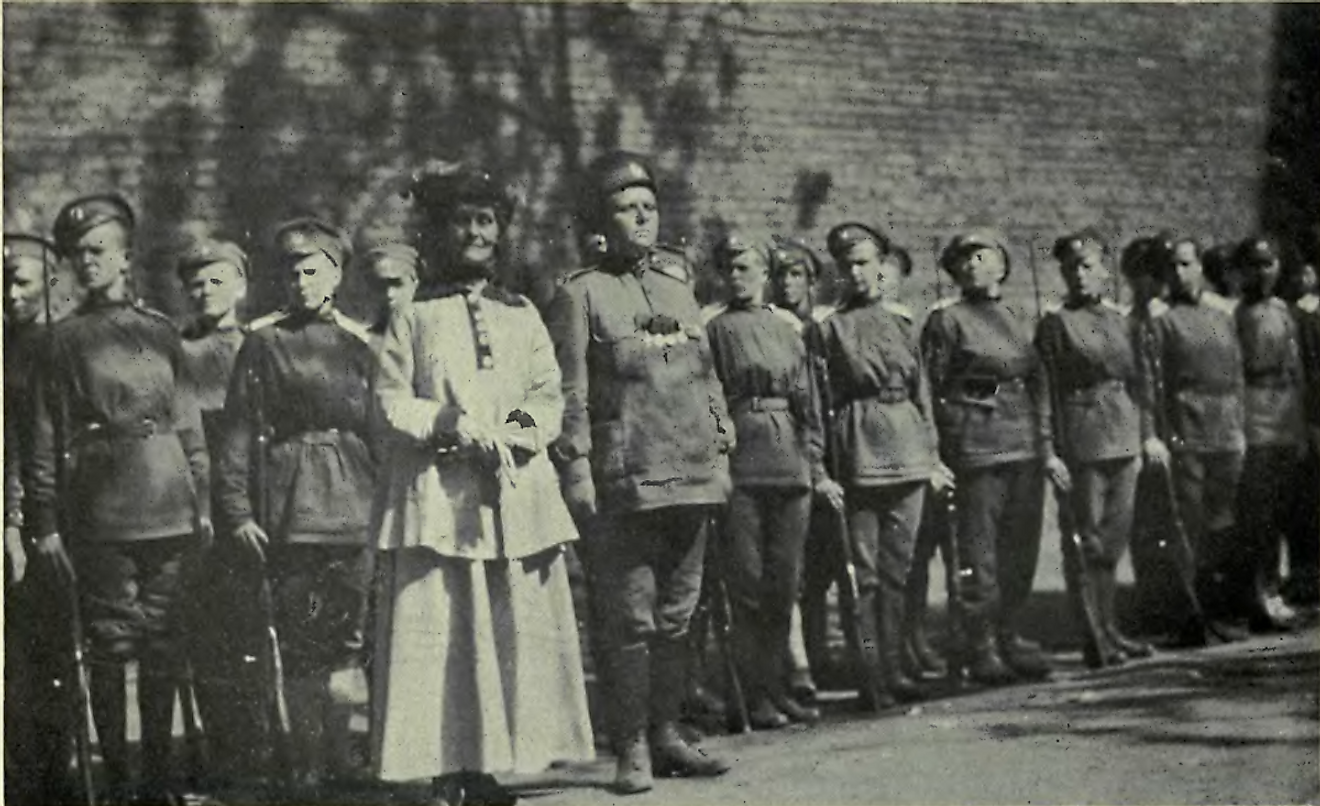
x=993, y=413
x=1196, y=366
x=392, y=274
x=642, y=460
x=1100, y=428
x=225, y=626
x=1274, y=427
x=303, y=375
x=134, y=502
x=36, y=716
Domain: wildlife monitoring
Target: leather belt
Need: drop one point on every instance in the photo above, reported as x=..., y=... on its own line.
x=140, y=429
x=1272, y=380
x=1083, y=391
x=326, y=436
x=761, y=404
x=983, y=387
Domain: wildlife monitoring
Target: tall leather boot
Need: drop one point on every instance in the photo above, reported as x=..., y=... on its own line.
x=110, y=713
x=751, y=650
x=1106, y=584
x=815, y=638
x=873, y=694
x=628, y=686
x=306, y=698
x=671, y=755
x=919, y=657
x=890, y=622
x=984, y=665
x=157, y=687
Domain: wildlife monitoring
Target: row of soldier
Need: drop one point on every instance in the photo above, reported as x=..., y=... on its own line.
x=441, y=462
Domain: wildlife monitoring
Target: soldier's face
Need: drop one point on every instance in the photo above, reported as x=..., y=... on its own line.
x=870, y=275
x=1186, y=267
x=23, y=277
x=983, y=269
x=1268, y=277
x=633, y=218
x=474, y=232
x=1086, y=275
x=746, y=277
x=394, y=283
x=1307, y=279
x=313, y=281
x=101, y=257
x=793, y=284
x=214, y=291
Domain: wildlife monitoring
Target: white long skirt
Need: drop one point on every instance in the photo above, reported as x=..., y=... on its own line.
x=477, y=667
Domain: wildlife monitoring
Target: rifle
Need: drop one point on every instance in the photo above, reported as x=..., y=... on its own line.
x=954, y=575
x=274, y=704
x=721, y=611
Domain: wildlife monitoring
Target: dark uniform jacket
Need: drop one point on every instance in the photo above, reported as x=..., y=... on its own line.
x=762, y=363
x=209, y=357
x=1199, y=361
x=307, y=378
x=1307, y=314
x=112, y=395
x=24, y=345
x=1272, y=366
x=990, y=389
x=1091, y=356
x=644, y=412
x=878, y=387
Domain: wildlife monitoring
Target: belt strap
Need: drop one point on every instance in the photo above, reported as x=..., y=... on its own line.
x=326, y=436
x=761, y=404
x=141, y=429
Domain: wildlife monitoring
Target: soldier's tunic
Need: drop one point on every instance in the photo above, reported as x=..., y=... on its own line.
x=477, y=662
x=991, y=406
x=645, y=422
x=138, y=471
x=1304, y=529
x=1099, y=426
x=307, y=376
x=1275, y=431
x=1199, y=361
x=762, y=363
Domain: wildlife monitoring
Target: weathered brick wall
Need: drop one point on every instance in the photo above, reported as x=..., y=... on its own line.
x=1036, y=118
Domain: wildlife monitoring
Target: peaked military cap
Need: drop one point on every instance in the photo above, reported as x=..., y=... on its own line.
x=27, y=245
x=969, y=241
x=1077, y=244
x=392, y=251
x=620, y=170
x=847, y=235
x=1258, y=251
x=440, y=186
x=734, y=244
x=207, y=251
x=791, y=252
x=1144, y=257
x=300, y=237
x=85, y=214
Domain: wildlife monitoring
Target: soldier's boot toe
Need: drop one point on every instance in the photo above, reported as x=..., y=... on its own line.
x=985, y=666
x=673, y=757
x=796, y=711
x=1131, y=647
x=764, y=715
x=632, y=771
x=1025, y=658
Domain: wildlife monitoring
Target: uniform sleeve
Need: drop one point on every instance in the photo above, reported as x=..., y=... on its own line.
x=1141, y=385
x=245, y=418
x=921, y=395
x=1051, y=346
x=821, y=393
x=543, y=399
x=188, y=427
x=937, y=344
x=399, y=406
x=569, y=324
x=1154, y=366
x=40, y=471
x=807, y=402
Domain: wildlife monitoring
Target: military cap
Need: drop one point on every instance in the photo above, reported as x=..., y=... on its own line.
x=27, y=245
x=790, y=252
x=392, y=251
x=1261, y=250
x=847, y=235
x=1077, y=244
x=84, y=214
x=207, y=251
x=438, y=187
x=300, y=237
x=620, y=170
x=732, y=245
x=1144, y=257
x=964, y=243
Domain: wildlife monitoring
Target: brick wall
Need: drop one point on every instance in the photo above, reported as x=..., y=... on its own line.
x=768, y=117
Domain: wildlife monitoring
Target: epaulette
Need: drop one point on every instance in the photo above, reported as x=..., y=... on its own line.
x=272, y=318
x=822, y=312
x=711, y=311
x=576, y=273
x=1111, y=305
x=670, y=262
x=787, y=316
x=1309, y=303
x=352, y=325
x=1157, y=307
x=900, y=310
x=945, y=302
x=139, y=305
x=1217, y=301
x=1052, y=307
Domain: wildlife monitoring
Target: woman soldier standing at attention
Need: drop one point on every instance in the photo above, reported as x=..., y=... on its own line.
x=478, y=668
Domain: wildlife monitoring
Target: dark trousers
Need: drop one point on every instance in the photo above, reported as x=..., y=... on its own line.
x=1000, y=511
x=320, y=594
x=1207, y=492
x=1304, y=533
x=765, y=529
x=1103, y=500
x=882, y=527
x=1266, y=494
x=646, y=570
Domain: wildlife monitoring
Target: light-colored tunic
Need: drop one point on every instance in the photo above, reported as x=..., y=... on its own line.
x=477, y=663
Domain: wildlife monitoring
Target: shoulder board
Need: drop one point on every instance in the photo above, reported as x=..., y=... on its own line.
x=576, y=273
x=1309, y=303
x=1218, y=302
x=945, y=302
x=352, y=325
x=1157, y=307
x=900, y=310
x=671, y=263
x=1052, y=307
x=711, y=311
x=1111, y=305
x=272, y=318
x=139, y=305
x=787, y=317
x=822, y=312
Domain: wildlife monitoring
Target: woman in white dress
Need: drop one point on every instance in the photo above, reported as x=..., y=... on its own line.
x=478, y=667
